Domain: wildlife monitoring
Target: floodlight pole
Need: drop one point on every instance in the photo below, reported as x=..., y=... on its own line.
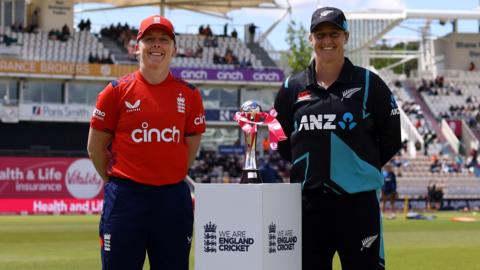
x=162, y=8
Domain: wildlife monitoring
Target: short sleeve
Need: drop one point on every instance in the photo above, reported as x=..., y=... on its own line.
x=196, y=118
x=105, y=114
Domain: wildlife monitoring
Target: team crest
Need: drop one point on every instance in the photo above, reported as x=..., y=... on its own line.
x=181, y=103
x=325, y=13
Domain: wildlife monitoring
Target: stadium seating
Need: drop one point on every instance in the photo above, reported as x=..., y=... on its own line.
x=467, y=84
x=414, y=176
x=239, y=49
x=37, y=47
x=414, y=173
x=78, y=48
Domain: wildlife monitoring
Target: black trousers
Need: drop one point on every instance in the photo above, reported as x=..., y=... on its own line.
x=347, y=224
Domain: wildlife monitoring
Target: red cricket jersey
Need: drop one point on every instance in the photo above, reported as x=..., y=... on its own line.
x=149, y=124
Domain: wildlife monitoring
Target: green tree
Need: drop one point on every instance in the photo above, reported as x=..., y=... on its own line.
x=298, y=57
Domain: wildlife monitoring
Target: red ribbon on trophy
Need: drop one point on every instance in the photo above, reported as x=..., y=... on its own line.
x=275, y=131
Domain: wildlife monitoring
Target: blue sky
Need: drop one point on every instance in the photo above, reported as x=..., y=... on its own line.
x=185, y=21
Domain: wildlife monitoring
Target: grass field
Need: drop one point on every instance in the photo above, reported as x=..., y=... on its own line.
x=71, y=243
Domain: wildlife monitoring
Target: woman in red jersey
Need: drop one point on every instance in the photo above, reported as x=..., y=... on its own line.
x=144, y=135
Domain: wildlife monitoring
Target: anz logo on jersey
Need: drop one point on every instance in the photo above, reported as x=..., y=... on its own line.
x=319, y=121
x=326, y=122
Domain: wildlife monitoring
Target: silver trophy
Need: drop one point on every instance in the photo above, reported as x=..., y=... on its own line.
x=250, y=173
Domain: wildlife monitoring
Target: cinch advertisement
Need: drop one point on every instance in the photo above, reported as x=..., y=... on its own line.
x=66, y=69
x=49, y=185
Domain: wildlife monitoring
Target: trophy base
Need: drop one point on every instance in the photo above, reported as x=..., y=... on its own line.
x=251, y=177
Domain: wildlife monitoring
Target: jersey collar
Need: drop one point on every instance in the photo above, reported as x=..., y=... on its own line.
x=345, y=74
x=168, y=79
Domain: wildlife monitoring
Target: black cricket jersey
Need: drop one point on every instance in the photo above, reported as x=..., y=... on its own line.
x=340, y=137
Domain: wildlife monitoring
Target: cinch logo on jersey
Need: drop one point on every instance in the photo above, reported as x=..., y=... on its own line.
x=98, y=114
x=200, y=119
x=315, y=122
x=135, y=107
x=155, y=135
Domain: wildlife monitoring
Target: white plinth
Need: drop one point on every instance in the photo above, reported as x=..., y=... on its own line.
x=248, y=227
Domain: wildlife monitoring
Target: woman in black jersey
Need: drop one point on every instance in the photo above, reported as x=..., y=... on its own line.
x=343, y=125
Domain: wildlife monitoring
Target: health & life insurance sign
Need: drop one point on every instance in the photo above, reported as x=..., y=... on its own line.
x=49, y=185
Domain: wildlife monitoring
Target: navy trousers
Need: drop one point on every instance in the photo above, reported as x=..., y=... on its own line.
x=139, y=219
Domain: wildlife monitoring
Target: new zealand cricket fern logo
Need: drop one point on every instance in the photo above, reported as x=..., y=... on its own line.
x=210, y=237
x=272, y=238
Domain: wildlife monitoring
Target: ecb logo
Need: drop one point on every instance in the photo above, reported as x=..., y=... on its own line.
x=272, y=238
x=210, y=237
x=280, y=240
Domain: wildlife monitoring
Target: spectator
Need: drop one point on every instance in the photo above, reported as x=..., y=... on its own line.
x=65, y=33
x=199, y=52
x=7, y=40
x=245, y=62
x=210, y=41
x=180, y=52
x=88, y=25
x=389, y=189
x=17, y=27
x=472, y=67
x=123, y=35
x=92, y=58
x=251, y=30
x=54, y=34
x=189, y=52
x=35, y=19
x=234, y=33
x=228, y=58
x=81, y=25
x=428, y=138
x=225, y=30
x=268, y=174
x=208, y=31
x=435, y=196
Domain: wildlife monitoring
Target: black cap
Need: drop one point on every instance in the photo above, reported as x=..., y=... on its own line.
x=331, y=15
